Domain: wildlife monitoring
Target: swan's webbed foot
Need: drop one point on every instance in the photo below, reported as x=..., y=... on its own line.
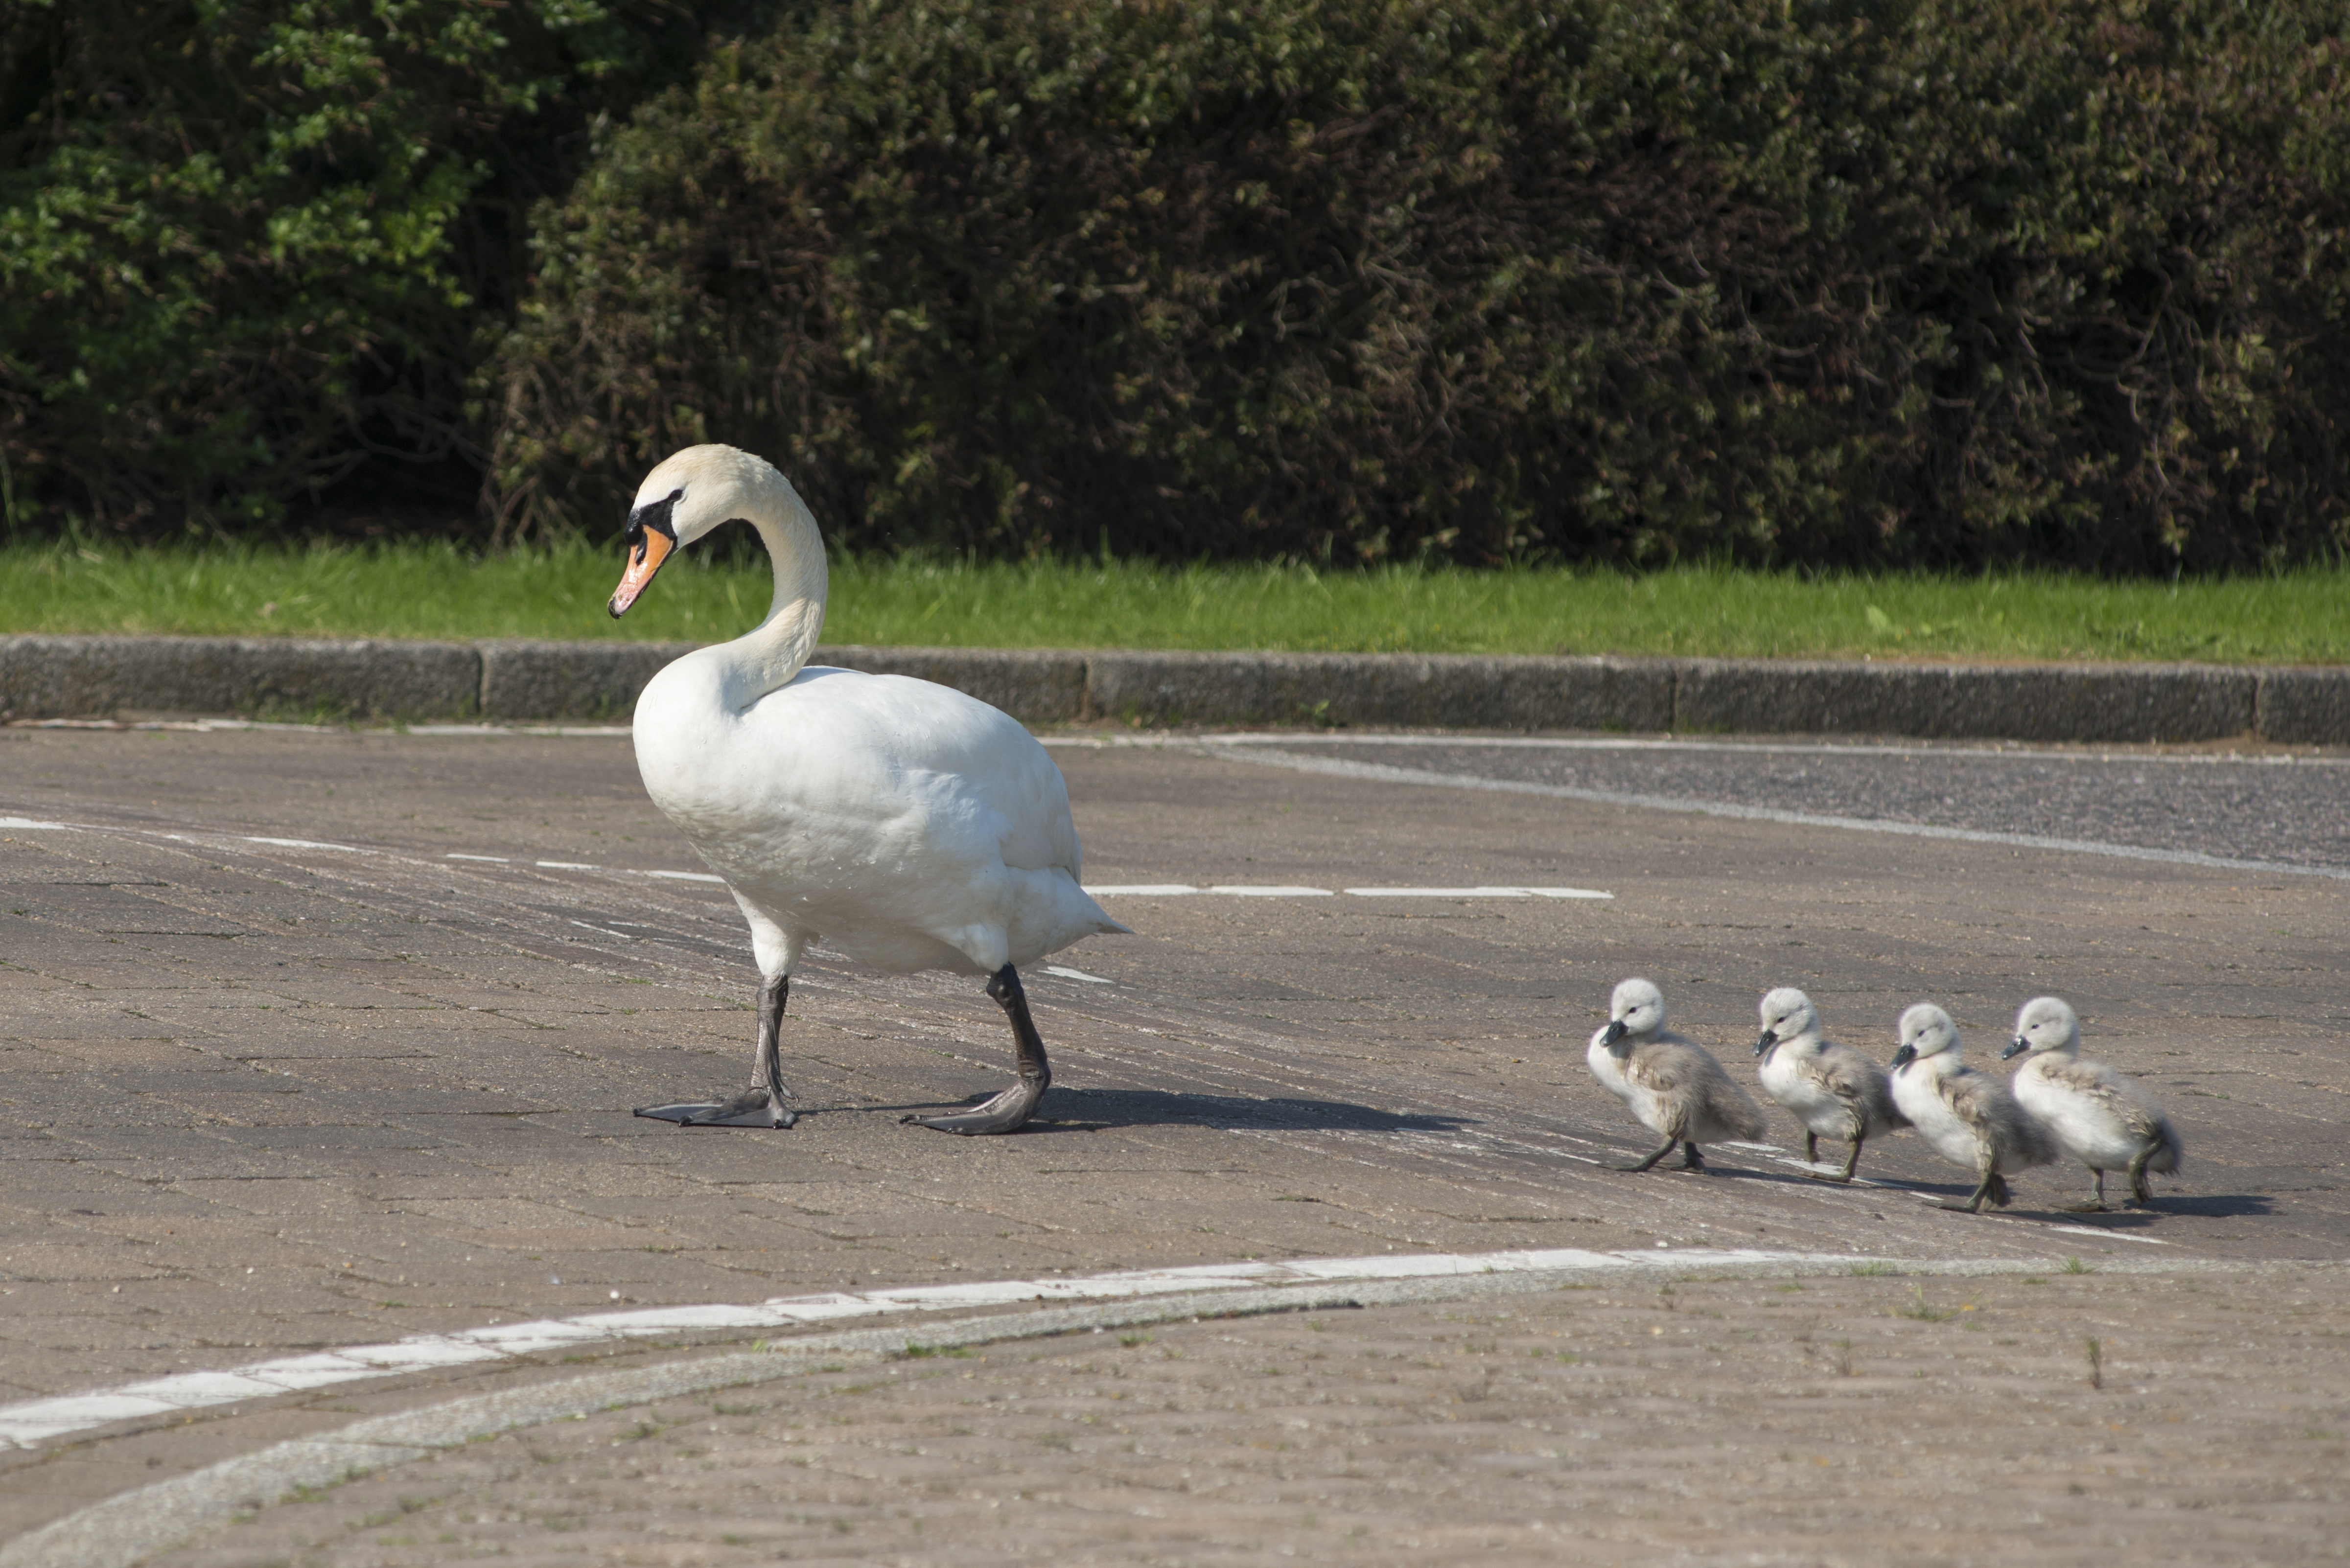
x=1010, y=1110
x=751, y=1108
x=760, y=1104
x=1004, y=1113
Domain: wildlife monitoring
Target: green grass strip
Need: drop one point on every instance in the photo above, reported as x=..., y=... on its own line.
x=424, y=590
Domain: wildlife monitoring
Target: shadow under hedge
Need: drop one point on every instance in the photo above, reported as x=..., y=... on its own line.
x=1768, y=280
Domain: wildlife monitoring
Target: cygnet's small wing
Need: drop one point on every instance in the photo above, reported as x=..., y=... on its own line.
x=1983, y=1103
x=2125, y=1100
x=1710, y=1104
x=1860, y=1083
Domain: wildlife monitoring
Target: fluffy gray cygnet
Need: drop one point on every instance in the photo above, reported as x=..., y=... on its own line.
x=1834, y=1090
x=1968, y=1117
x=1675, y=1086
x=2100, y=1116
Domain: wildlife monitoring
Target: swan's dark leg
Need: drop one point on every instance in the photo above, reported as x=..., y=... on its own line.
x=1649, y=1163
x=1691, y=1159
x=760, y=1104
x=1007, y=1111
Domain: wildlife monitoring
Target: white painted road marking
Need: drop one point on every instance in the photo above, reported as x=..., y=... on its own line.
x=1244, y=890
x=1476, y=893
x=39, y=1421
x=1067, y=973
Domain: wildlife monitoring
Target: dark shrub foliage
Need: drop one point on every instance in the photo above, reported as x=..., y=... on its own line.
x=249, y=249
x=1780, y=280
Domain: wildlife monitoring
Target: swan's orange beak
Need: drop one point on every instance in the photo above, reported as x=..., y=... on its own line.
x=650, y=540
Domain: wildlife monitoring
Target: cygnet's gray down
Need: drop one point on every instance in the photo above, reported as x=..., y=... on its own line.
x=1674, y=1087
x=1834, y=1090
x=2100, y=1116
x=1968, y=1117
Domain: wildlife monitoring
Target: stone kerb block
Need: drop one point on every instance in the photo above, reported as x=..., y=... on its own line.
x=1438, y=691
x=2305, y=707
x=528, y=680
x=109, y=677
x=1035, y=686
x=2051, y=703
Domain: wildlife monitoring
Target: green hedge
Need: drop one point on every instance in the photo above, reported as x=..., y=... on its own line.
x=1911, y=284
x=252, y=252
x=1776, y=280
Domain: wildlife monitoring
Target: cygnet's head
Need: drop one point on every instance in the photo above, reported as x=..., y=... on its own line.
x=1787, y=1014
x=1925, y=1031
x=2046, y=1023
x=1636, y=1008
x=693, y=492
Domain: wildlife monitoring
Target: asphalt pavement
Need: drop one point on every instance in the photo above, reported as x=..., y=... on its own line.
x=321, y=1039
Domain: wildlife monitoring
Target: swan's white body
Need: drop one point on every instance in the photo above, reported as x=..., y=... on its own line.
x=908, y=824
x=2102, y=1117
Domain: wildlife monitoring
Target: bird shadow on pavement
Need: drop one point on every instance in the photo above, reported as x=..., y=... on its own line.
x=1097, y=1110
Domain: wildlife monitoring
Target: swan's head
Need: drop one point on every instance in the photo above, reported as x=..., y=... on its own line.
x=2046, y=1023
x=1926, y=1032
x=1787, y=1014
x=1636, y=1008
x=693, y=492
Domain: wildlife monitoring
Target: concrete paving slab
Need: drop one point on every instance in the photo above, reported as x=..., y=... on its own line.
x=1306, y=1077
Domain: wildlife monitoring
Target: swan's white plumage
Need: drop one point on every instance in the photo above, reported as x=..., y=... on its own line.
x=906, y=824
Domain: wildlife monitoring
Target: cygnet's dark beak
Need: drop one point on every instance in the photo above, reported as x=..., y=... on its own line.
x=1615, y=1032
x=1903, y=1057
x=2016, y=1047
x=650, y=538
x=1762, y=1046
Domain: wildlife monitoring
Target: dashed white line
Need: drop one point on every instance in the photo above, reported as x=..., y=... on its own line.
x=1067, y=974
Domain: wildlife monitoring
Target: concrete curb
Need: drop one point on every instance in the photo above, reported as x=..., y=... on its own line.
x=132, y=1526
x=106, y=677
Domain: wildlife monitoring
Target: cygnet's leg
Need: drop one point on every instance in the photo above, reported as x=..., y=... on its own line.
x=1008, y=1110
x=760, y=1104
x=2096, y=1203
x=1691, y=1159
x=1649, y=1163
x=1811, y=1146
x=2140, y=1188
x=1992, y=1187
x=1852, y=1160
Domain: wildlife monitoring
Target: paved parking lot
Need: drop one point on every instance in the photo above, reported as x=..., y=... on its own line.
x=316, y=1040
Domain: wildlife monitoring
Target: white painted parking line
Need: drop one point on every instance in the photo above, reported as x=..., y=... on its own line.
x=489, y=859
x=27, y=824
x=1245, y=891
x=1382, y=772
x=686, y=876
x=311, y=844
x=35, y=1422
x=1067, y=973
x=565, y=865
x=1143, y=891
x=1476, y=893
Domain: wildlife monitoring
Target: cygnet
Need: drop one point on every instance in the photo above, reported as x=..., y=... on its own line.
x=1969, y=1116
x=1834, y=1090
x=1674, y=1087
x=2100, y=1116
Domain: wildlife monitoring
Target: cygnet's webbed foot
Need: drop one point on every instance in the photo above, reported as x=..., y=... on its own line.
x=1010, y=1110
x=1691, y=1159
x=1649, y=1163
x=1007, y=1112
x=751, y=1108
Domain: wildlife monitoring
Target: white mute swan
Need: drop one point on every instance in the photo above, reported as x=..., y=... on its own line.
x=908, y=825
x=1834, y=1090
x=1675, y=1087
x=2104, y=1118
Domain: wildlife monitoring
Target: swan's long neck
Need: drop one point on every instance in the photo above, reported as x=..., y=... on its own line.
x=771, y=653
